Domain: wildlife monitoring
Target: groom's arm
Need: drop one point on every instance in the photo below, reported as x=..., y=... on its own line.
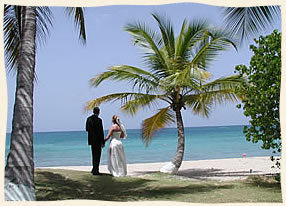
x=87, y=124
x=101, y=134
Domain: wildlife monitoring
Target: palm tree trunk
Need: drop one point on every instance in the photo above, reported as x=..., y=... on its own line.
x=173, y=167
x=19, y=170
x=177, y=161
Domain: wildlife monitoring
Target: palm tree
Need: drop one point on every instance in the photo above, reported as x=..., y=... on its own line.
x=248, y=21
x=22, y=26
x=176, y=76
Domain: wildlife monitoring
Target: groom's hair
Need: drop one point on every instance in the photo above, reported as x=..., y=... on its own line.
x=96, y=110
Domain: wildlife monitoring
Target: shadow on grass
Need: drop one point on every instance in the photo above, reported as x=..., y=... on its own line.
x=206, y=173
x=82, y=185
x=259, y=181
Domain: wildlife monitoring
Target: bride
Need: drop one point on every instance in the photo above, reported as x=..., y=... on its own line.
x=116, y=155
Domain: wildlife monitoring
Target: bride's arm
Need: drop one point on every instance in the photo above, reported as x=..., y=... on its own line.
x=109, y=134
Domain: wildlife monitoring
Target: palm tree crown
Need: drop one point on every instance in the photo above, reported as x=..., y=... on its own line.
x=177, y=73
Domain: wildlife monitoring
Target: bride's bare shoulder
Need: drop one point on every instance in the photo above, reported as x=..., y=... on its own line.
x=115, y=127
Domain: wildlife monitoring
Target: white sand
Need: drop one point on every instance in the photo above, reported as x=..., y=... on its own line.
x=218, y=169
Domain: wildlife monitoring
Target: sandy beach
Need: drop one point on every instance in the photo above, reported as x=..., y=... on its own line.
x=218, y=169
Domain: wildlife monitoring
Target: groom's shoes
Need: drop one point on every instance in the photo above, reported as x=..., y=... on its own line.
x=96, y=173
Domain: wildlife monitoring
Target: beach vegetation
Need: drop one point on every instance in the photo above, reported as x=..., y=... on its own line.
x=262, y=93
x=177, y=76
x=57, y=184
x=24, y=28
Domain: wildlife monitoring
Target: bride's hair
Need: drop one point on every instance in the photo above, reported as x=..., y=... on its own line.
x=114, y=119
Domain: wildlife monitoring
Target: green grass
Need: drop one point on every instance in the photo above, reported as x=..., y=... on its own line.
x=67, y=184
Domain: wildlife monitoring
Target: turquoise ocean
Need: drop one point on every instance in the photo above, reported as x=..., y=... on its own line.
x=69, y=148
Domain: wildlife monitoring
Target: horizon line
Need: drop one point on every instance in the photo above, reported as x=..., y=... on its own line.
x=138, y=128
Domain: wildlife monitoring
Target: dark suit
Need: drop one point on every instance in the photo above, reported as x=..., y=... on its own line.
x=95, y=139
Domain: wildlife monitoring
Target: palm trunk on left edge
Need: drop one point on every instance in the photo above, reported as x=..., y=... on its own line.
x=19, y=170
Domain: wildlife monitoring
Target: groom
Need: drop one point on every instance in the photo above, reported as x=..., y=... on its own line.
x=95, y=138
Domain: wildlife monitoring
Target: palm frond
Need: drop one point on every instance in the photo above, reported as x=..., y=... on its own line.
x=218, y=91
x=44, y=23
x=151, y=125
x=199, y=77
x=224, y=89
x=189, y=77
x=230, y=82
x=210, y=47
x=247, y=21
x=180, y=38
x=140, y=101
x=147, y=39
x=130, y=101
x=219, y=96
x=123, y=97
x=198, y=104
x=12, y=31
x=11, y=36
x=167, y=34
x=78, y=15
x=136, y=76
x=190, y=36
x=154, y=64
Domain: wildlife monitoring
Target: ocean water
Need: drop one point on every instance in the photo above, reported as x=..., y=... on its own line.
x=71, y=149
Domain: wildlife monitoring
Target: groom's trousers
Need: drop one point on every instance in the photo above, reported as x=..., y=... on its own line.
x=96, y=153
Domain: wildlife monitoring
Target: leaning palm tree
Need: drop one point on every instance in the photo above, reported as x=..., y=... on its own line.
x=176, y=76
x=22, y=27
x=248, y=21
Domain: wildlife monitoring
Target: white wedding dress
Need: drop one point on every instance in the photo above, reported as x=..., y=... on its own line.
x=116, y=156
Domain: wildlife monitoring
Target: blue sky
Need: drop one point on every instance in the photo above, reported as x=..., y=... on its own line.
x=64, y=67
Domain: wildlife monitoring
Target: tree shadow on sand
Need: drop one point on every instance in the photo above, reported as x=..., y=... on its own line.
x=82, y=185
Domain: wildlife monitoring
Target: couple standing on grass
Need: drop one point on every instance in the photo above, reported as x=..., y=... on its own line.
x=115, y=154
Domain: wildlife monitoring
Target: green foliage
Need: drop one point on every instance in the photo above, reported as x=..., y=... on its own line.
x=262, y=92
x=278, y=177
